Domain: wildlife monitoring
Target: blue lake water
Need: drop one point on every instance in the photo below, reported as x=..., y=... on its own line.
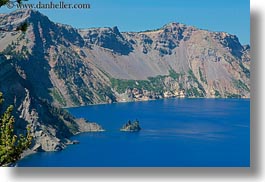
x=175, y=132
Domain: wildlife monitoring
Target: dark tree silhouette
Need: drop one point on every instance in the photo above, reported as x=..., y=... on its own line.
x=4, y=2
x=23, y=27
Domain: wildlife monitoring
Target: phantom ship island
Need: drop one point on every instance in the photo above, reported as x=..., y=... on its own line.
x=131, y=127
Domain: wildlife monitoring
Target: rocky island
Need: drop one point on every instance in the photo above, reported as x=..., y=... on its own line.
x=131, y=127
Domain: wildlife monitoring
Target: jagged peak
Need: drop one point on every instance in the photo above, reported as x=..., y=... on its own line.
x=246, y=47
x=177, y=25
x=174, y=24
x=114, y=29
x=15, y=18
x=25, y=13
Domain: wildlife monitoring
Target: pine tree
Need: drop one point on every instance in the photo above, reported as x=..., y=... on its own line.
x=11, y=146
x=23, y=27
x=4, y=2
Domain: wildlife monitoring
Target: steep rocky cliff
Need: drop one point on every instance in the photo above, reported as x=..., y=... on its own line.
x=51, y=127
x=73, y=67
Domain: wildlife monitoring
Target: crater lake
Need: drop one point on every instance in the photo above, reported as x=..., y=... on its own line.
x=175, y=133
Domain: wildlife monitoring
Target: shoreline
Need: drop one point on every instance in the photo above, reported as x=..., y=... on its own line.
x=249, y=98
x=29, y=152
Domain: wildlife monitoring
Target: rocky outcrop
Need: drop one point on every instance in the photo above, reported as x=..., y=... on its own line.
x=131, y=127
x=85, y=126
x=109, y=38
x=51, y=127
x=103, y=65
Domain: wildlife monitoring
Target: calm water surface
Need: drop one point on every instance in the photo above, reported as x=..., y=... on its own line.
x=176, y=132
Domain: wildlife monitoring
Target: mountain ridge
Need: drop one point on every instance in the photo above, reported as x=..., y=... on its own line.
x=104, y=65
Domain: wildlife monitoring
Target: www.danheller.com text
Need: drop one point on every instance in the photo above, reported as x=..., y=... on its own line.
x=50, y=5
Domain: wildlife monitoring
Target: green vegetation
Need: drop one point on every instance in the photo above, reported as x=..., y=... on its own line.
x=230, y=95
x=121, y=85
x=202, y=78
x=245, y=70
x=4, y=2
x=64, y=121
x=156, y=84
x=173, y=74
x=240, y=85
x=104, y=92
x=181, y=87
x=57, y=96
x=10, y=49
x=23, y=27
x=193, y=92
x=152, y=84
x=85, y=94
x=16, y=54
x=11, y=146
x=73, y=97
x=217, y=93
x=192, y=77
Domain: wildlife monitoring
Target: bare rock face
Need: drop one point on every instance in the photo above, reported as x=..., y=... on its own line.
x=85, y=126
x=109, y=38
x=78, y=67
x=51, y=127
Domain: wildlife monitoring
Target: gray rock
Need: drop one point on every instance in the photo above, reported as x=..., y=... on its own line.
x=131, y=127
x=50, y=126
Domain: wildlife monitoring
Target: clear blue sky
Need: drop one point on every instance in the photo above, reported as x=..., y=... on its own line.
x=232, y=16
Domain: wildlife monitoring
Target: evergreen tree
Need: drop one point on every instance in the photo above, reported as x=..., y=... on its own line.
x=23, y=27
x=4, y=2
x=11, y=146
